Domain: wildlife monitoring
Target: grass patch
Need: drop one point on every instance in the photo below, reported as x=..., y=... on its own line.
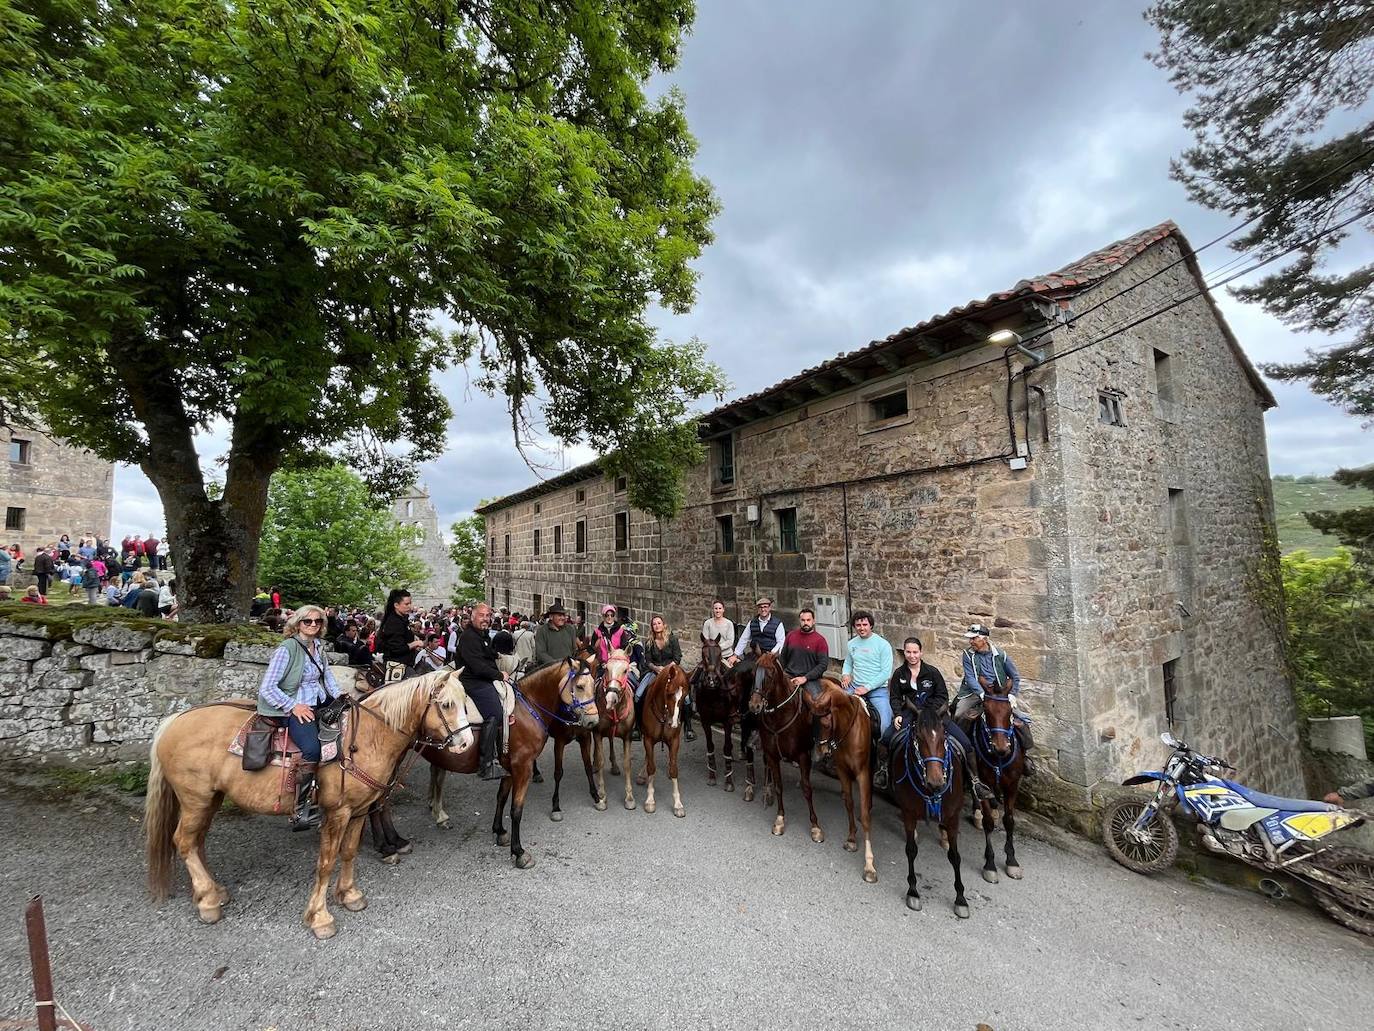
x=62, y=621
x=133, y=779
x=1293, y=497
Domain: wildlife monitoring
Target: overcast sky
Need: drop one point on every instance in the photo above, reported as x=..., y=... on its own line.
x=879, y=163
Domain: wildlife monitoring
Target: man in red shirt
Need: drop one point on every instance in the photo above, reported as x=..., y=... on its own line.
x=150, y=547
x=805, y=658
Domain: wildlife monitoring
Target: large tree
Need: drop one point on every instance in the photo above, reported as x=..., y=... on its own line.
x=1283, y=137
x=246, y=214
x=326, y=540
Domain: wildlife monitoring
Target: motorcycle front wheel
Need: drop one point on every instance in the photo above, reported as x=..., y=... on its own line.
x=1148, y=850
x=1353, y=906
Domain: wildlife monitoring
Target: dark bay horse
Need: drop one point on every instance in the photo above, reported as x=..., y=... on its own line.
x=662, y=725
x=785, y=733
x=719, y=698
x=564, y=692
x=928, y=782
x=851, y=756
x=1001, y=763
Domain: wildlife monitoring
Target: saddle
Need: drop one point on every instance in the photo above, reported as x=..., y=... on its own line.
x=262, y=741
x=507, y=693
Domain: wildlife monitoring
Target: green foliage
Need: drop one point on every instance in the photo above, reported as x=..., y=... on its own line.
x=251, y=212
x=326, y=541
x=469, y=553
x=1330, y=614
x=1295, y=498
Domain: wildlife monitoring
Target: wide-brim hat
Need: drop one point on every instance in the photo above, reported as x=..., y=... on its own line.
x=556, y=610
x=976, y=630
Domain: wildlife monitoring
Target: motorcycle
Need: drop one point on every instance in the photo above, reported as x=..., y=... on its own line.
x=1281, y=835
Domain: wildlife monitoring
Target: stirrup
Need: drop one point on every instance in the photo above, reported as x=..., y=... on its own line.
x=881, y=776
x=982, y=792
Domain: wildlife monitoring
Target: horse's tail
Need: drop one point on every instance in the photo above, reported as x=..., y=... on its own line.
x=161, y=812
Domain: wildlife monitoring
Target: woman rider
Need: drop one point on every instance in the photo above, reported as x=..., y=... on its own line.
x=298, y=680
x=395, y=640
x=663, y=648
x=916, y=684
x=719, y=626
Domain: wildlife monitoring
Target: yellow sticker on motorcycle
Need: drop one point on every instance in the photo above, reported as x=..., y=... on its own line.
x=1318, y=825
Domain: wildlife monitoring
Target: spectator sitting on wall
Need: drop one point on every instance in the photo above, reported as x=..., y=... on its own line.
x=147, y=604
x=33, y=597
x=17, y=557
x=113, y=595
x=167, y=600
x=5, y=593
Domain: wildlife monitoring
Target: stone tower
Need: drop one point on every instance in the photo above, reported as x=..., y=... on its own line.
x=48, y=488
x=417, y=510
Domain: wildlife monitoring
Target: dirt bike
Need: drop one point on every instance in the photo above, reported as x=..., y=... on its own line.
x=1282, y=835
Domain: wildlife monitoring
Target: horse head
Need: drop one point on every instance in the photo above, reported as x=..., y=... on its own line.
x=929, y=738
x=997, y=724
x=767, y=672
x=710, y=672
x=615, y=679
x=580, y=687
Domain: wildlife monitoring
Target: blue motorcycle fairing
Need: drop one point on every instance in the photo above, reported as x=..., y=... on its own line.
x=1144, y=778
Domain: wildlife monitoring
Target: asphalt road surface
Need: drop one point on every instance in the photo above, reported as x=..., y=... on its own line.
x=631, y=921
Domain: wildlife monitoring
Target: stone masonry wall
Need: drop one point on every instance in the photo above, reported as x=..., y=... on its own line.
x=61, y=490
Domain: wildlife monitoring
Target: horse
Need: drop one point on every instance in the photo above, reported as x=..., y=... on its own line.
x=719, y=696
x=610, y=711
x=1001, y=764
x=785, y=732
x=851, y=754
x=661, y=724
x=617, y=721
x=928, y=782
x=192, y=772
x=541, y=698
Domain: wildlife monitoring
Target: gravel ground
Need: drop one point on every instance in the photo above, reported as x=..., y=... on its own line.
x=632, y=921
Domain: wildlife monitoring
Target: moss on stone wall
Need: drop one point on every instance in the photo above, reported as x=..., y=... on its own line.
x=206, y=640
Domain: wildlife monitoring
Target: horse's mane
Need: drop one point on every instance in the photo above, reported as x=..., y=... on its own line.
x=393, y=702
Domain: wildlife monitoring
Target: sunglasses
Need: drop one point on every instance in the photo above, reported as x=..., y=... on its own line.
x=312, y=622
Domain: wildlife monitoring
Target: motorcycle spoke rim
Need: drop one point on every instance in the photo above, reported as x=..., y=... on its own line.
x=1137, y=851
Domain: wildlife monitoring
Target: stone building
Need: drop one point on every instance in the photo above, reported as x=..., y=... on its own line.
x=1099, y=497
x=48, y=488
x=417, y=510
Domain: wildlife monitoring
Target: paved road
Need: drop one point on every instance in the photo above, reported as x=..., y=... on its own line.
x=637, y=921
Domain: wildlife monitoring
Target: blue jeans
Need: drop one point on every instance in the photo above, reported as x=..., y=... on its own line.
x=644, y=683
x=878, y=699
x=306, y=737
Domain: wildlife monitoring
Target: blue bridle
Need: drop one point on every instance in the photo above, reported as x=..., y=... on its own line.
x=983, y=742
x=934, y=800
x=572, y=706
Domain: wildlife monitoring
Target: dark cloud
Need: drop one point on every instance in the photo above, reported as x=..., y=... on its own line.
x=879, y=163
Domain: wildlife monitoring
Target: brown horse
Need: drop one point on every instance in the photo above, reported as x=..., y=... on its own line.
x=562, y=693
x=1001, y=763
x=851, y=755
x=617, y=722
x=192, y=772
x=928, y=782
x=615, y=716
x=719, y=698
x=785, y=733
x=662, y=725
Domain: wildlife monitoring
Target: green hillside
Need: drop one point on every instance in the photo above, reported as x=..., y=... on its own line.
x=1293, y=497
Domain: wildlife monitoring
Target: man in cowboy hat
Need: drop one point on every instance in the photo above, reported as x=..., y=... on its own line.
x=556, y=638
x=988, y=668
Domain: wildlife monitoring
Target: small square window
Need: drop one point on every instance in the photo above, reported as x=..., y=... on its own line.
x=580, y=537
x=787, y=529
x=1109, y=411
x=622, y=531
x=581, y=495
x=14, y=518
x=725, y=534
x=536, y=542
x=558, y=540
x=19, y=451
x=620, y=484
x=888, y=406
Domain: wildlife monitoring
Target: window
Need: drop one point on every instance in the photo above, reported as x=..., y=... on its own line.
x=419, y=534
x=410, y=510
x=622, y=613
x=493, y=545
x=581, y=495
x=787, y=529
x=558, y=539
x=538, y=608
x=1164, y=375
x=582, y=612
x=1171, y=691
x=493, y=595
x=538, y=508
x=507, y=545
x=724, y=449
x=536, y=541
x=556, y=601
x=725, y=534
x=14, y=518
x=580, y=537
x=620, y=484
x=19, y=451
x=1109, y=409
x=888, y=406
x=622, y=531
x=1178, y=516
x=508, y=599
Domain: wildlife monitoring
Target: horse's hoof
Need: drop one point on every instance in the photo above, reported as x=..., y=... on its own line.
x=870, y=876
x=978, y=821
x=817, y=835
x=914, y=903
x=629, y=803
x=393, y=859
x=730, y=787
x=503, y=838
x=325, y=931
x=748, y=793
x=680, y=811
x=1014, y=872
x=961, y=911
x=405, y=848
x=851, y=846
x=556, y=816
x=444, y=824
x=222, y=894
x=600, y=805
x=711, y=782
x=524, y=861
x=210, y=914
x=779, y=827
x=990, y=876
x=651, y=807
x=539, y=778
x=356, y=905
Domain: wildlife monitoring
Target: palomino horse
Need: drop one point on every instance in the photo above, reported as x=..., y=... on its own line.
x=719, y=697
x=610, y=711
x=785, y=733
x=1001, y=763
x=192, y=772
x=929, y=785
x=851, y=754
x=562, y=693
x=661, y=724
x=617, y=700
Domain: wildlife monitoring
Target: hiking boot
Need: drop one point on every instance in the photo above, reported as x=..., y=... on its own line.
x=488, y=768
x=306, y=815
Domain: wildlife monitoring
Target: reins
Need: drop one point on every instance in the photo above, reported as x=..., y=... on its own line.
x=769, y=710
x=934, y=800
x=982, y=741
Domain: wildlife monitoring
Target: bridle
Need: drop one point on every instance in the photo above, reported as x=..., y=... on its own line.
x=761, y=674
x=576, y=670
x=347, y=764
x=915, y=774
x=984, y=738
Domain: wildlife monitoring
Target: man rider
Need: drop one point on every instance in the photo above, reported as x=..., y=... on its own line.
x=805, y=658
x=555, y=640
x=477, y=656
x=867, y=670
x=765, y=632
x=988, y=668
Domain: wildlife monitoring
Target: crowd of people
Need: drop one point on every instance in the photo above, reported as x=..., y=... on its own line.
x=131, y=576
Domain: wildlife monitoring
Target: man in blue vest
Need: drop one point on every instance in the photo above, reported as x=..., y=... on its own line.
x=988, y=668
x=764, y=632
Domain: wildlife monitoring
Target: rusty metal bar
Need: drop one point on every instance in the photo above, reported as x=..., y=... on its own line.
x=42, y=968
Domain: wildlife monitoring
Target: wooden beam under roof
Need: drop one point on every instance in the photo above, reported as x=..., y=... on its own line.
x=794, y=396
x=823, y=385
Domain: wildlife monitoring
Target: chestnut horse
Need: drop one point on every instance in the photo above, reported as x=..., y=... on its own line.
x=192, y=772
x=562, y=693
x=785, y=732
x=1001, y=763
x=719, y=698
x=928, y=782
x=851, y=756
x=662, y=725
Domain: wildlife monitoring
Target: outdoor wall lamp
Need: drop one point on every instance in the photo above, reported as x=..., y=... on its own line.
x=1009, y=337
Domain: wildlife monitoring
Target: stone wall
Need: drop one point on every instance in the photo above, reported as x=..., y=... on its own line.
x=60, y=489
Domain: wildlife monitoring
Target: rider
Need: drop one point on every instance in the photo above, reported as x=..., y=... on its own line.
x=916, y=684
x=719, y=629
x=867, y=669
x=395, y=639
x=298, y=680
x=555, y=640
x=987, y=668
x=765, y=632
x=478, y=659
x=662, y=648
x=805, y=658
